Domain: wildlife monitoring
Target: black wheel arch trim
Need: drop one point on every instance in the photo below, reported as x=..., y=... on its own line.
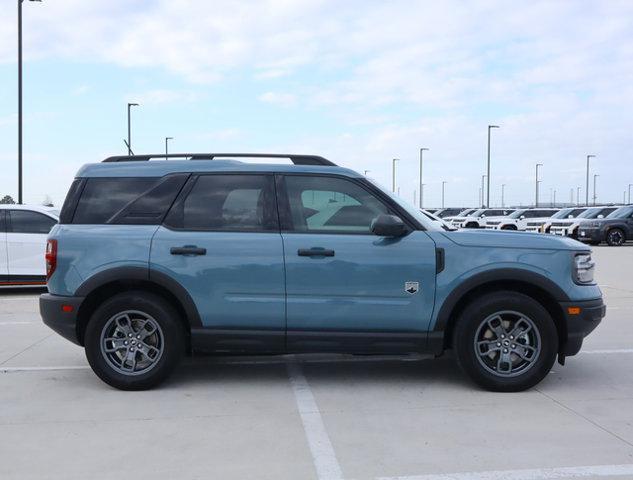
x=127, y=273
x=498, y=275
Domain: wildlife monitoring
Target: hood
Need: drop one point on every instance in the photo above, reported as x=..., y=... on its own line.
x=512, y=239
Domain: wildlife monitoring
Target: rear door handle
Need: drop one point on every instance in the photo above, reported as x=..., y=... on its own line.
x=315, y=252
x=188, y=250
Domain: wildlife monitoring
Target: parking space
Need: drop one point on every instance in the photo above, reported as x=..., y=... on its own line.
x=324, y=417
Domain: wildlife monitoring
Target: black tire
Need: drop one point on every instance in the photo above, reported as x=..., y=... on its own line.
x=474, y=316
x=509, y=227
x=616, y=237
x=472, y=225
x=170, y=331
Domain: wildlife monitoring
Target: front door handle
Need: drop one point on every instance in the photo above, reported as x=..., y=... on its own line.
x=188, y=250
x=315, y=252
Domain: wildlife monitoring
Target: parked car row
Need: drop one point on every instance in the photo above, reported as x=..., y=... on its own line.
x=612, y=224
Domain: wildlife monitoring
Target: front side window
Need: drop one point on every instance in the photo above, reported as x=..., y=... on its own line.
x=331, y=205
x=227, y=203
x=25, y=221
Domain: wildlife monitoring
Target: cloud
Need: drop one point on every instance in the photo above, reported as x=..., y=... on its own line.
x=163, y=96
x=276, y=98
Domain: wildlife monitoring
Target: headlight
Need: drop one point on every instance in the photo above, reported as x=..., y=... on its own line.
x=584, y=267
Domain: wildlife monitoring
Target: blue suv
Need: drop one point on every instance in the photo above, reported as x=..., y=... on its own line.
x=155, y=259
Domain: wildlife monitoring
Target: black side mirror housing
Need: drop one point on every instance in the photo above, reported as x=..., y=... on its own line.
x=388, y=226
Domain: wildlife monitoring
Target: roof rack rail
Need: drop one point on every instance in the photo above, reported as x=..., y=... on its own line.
x=296, y=159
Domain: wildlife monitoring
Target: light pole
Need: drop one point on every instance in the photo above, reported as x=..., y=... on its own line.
x=393, y=174
x=483, y=190
x=20, y=98
x=488, y=172
x=129, y=131
x=587, y=186
x=503, y=189
x=166, y=146
x=421, y=152
x=630, y=185
x=554, y=202
x=443, y=183
x=594, y=188
x=536, y=196
x=578, y=196
x=367, y=171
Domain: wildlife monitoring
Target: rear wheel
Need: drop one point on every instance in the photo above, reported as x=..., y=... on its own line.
x=615, y=237
x=505, y=341
x=134, y=340
x=472, y=225
x=509, y=227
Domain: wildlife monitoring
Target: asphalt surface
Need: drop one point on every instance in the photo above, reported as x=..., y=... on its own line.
x=317, y=417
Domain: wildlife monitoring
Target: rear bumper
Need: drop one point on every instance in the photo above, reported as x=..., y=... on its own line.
x=60, y=314
x=580, y=325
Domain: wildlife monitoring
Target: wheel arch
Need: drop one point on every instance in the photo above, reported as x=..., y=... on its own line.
x=534, y=285
x=121, y=279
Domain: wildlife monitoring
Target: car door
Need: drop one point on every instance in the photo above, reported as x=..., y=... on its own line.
x=4, y=259
x=348, y=289
x=221, y=242
x=26, y=244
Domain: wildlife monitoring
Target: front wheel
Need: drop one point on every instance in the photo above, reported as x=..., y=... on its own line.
x=615, y=237
x=134, y=340
x=505, y=341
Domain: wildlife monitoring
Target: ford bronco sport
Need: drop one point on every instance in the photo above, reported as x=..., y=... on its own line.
x=153, y=259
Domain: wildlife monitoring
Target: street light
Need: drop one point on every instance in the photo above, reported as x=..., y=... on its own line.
x=537, y=180
x=166, y=146
x=594, y=188
x=367, y=171
x=483, y=177
x=578, y=196
x=393, y=174
x=488, y=172
x=20, y=98
x=129, y=132
x=421, y=151
x=587, y=186
x=503, y=189
x=630, y=185
x=443, y=183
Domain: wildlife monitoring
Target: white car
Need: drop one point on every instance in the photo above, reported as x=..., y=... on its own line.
x=522, y=219
x=569, y=227
x=23, y=232
x=564, y=214
x=462, y=214
x=478, y=218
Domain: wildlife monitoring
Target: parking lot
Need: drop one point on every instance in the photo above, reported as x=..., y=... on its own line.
x=324, y=417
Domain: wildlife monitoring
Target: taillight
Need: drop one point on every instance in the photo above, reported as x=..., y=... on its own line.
x=51, y=257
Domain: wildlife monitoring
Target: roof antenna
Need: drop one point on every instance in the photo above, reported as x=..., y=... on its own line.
x=128, y=146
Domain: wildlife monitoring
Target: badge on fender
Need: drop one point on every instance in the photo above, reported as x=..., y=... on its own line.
x=411, y=287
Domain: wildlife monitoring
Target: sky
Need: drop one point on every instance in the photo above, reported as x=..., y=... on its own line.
x=359, y=82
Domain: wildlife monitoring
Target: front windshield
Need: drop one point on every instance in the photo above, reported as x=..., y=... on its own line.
x=621, y=212
x=465, y=213
x=410, y=209
x=591, y=213
x=478, y=213
x=563, y=213
x=517, y=214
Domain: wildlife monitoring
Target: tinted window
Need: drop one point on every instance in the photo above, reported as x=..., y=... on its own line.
x=227, y=202
x=332, y=205
x=102, y=198
x=24, y=221
x=2, y=222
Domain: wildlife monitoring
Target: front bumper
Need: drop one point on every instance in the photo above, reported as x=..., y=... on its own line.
x=60, y=314
x=581, y=324
x=590, y=235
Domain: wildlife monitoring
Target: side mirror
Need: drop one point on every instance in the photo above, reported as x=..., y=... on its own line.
x=522, y=217
x=388, y=226
x=600, y=216
x=570, y=216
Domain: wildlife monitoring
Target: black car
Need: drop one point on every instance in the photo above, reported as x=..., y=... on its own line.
x=615, y=229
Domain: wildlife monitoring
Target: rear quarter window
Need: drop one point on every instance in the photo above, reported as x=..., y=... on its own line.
x=102, y=198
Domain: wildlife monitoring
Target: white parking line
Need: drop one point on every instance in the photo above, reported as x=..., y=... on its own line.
x=16, y=323
x=531, y=474
x=323, y=455
x=609, y=351
x=42, y=369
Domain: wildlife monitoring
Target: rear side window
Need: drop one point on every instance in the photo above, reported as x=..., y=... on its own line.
x=244, y=203
x=25, y=221
x=2, y=221
x=102, y=198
